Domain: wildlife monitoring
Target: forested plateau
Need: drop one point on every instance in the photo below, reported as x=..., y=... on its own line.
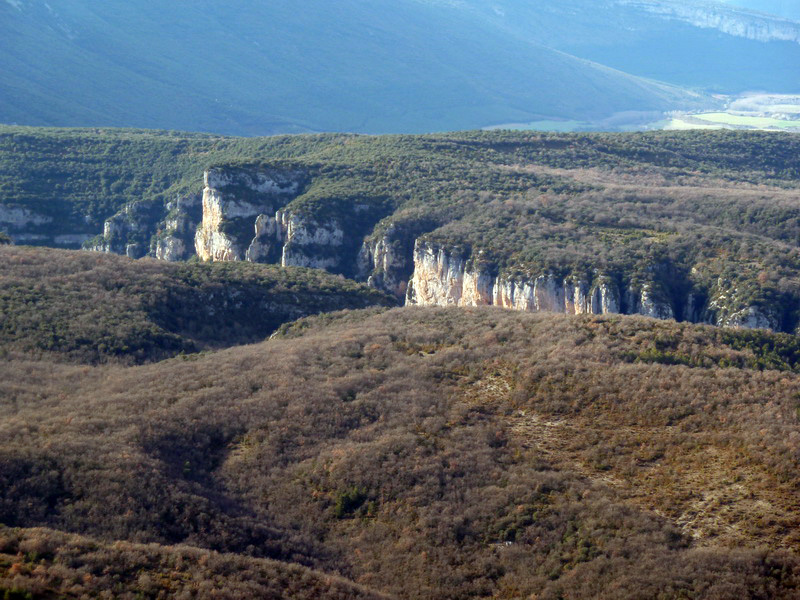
x=697, y=226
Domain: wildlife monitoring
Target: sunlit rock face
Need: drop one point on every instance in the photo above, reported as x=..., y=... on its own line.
x=176, y=240
x=731, y=306
x=129, y=231
x=443, y=277
x=232, y=201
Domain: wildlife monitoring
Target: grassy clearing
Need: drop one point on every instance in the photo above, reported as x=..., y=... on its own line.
x=747, y=121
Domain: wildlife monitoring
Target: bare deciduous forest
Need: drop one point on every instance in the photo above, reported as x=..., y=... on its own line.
x=236, y=430
x=423, y=453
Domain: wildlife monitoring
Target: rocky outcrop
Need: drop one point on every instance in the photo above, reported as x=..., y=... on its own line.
x=175, y=241
x=151, y=229
x=130, y=230
x=26, y=226
x=646, y=300
x=294, y=240
x=13, y=218
x=233, y=200
x=386, y=260
x=250, y=216
x=733, y=21
x=729, y=306
x=310, y=243
x=445, y=278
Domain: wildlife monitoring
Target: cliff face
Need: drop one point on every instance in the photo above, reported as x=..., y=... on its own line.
x=251, y=216
x=176, y=240
x=293, y=240
x=386, y=260
x=443, y=277
x=25, y=226
x=728, y=306
x=129, y=232
x=736, y=22
x=233, y=200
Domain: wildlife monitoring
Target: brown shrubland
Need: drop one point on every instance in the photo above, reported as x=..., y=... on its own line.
x=431, y=453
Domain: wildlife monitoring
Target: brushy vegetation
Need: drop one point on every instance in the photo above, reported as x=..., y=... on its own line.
x=433, y=453
x=91, y=173
x=712, y=214
x=43, y=564
x=92, y=307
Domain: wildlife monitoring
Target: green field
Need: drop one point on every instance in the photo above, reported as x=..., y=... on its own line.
x=724, y=120
x=748, y=121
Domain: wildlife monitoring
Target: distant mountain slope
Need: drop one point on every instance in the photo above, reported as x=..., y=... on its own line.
x=788, y=9
x=701, y=44
x=258, y=68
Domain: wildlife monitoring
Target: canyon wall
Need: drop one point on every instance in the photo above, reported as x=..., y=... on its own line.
x=443, y=277
x=26, y=226
x=233, y=200
x=730, y=20
x=248, y=214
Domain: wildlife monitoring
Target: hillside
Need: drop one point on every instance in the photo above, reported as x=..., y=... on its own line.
x=430, y=453
x=245, y=69
x=100, y=308
x=783, y=8
x=697, y=226
x=702, y=45
x=44, y=564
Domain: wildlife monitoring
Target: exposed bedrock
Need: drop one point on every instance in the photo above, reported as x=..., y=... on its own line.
x=232, y=201
x=733, y=21
x=175, y=240
x=444, y=277
x=293, y=239
x=729, y=306
x=386, y=258
x=129, y=232
x=250, y=216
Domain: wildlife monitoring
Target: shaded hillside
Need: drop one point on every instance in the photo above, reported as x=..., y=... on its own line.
x=283, y=67
x=703, y=45
x=784, y=8
x=434, y=453
x=90, y=307
x=45, y=564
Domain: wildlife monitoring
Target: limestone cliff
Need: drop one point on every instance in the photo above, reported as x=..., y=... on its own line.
x=445, y=277
x=386, y=258
x=25, y=226
x=233, y=200
x=730, y=306
x=730, y=20
x=130, y=230
x=175, y=241
x=295, y=240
